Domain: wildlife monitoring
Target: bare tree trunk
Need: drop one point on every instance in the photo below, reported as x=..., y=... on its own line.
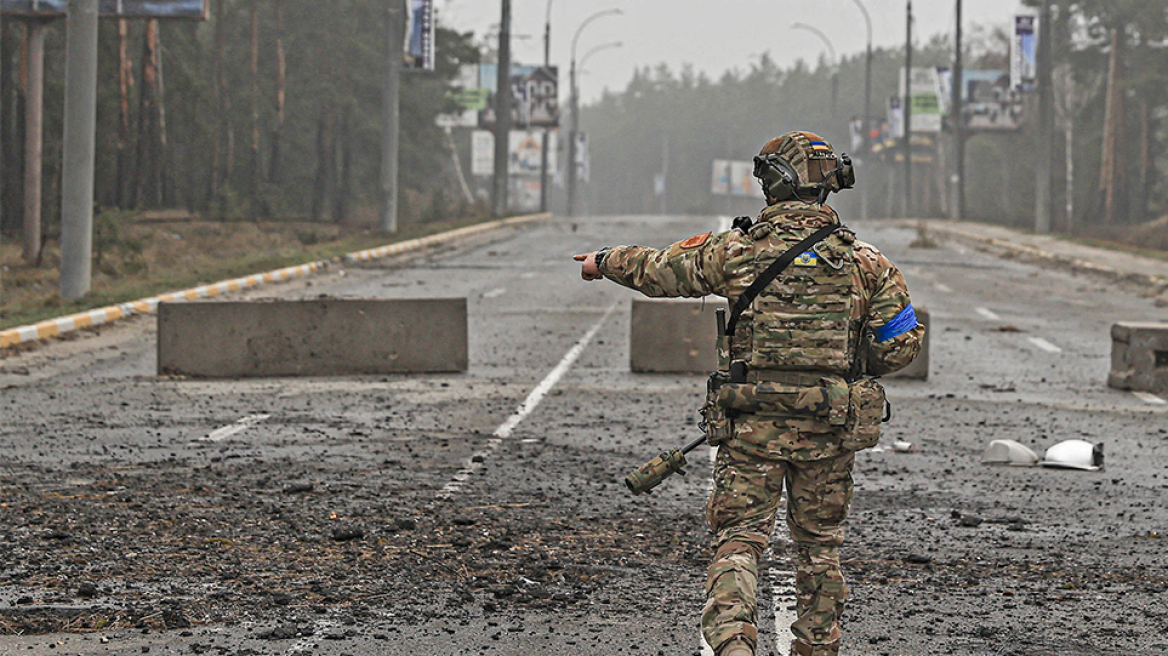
x=224, y=161
x=148, y=190
x=254, y=163
x=163, y=158
x=274, y=171
x=1143, y=193
x=125, y=81
x=34, y=70
x=344, y=162
x=1113, y=172
x=324, y=152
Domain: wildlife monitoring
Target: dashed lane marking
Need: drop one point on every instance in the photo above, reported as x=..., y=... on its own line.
x=1044, y=345
x=943, y=288
x=1149, y=398
x=495, y=293
x=222, y=433
x=475, y=462
x=988, y=314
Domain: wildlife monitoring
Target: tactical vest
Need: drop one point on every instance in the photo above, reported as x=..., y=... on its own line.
x=802, y=321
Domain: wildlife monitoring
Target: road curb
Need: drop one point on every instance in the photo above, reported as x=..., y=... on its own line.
x=1025, y=249
x=62, y=325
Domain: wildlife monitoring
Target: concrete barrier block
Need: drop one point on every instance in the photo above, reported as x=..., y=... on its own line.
x=673, y=336
x=919, y=369
x=321, y=337
x=1139, y=357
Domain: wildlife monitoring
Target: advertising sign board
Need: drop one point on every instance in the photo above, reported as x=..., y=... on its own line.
x=419, y=45
x=1024, y=53
x=535, y=92
x=524, y=153
x=194, y=9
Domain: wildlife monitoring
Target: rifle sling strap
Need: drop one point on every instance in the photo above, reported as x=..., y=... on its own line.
x=773, y=271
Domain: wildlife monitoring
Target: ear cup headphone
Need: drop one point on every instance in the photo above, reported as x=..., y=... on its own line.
x=778, y=179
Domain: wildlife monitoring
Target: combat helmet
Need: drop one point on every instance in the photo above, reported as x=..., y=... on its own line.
x=801, y=165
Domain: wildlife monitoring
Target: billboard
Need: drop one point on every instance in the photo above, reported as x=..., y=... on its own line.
x=470, y=97
x=734, y=178
x=991, y=102
x=925, y=96
x=535, y=93
x=1024, y=53
x=196, y=9
x=524, y=153
x=419, y=44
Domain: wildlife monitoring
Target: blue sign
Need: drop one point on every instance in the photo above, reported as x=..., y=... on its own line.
x=196, y=9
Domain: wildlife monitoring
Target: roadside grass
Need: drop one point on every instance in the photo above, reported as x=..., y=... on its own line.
x=136, y=259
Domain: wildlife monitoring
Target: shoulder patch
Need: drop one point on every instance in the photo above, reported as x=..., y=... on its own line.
x=696, y=240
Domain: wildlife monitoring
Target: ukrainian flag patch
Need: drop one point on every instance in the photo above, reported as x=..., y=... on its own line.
x=807, y=259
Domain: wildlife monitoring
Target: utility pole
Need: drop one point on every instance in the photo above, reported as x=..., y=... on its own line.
x=391, y=106
x=1045, y=121
x=503, y=112
x=78, y=151
x=958, y=118
x=34, y=116
x=543, y=156
x=908, y=53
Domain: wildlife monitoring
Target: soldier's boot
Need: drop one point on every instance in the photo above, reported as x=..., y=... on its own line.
x=736, y=647
x=800, y=648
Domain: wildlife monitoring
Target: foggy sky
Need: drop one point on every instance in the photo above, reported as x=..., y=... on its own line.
x=713, y=35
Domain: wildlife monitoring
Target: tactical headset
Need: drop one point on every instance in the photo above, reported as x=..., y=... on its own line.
x=780, y=181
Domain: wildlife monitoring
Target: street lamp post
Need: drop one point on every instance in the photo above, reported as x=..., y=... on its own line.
x=543, y=156
x=867, y=79
x=834, y=65
x=575, y=109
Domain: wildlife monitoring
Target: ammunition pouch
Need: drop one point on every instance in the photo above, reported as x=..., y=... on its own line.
x=867, y=407
x=827, y=400
x=716, y=421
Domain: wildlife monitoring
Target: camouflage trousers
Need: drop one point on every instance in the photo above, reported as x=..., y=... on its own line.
x=742, y=513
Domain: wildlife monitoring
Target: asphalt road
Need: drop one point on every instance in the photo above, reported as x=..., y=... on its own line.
x=484, y=512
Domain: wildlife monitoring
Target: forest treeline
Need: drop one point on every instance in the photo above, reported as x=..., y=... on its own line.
x=270, y=109
x=679, y=121
x=273, y=109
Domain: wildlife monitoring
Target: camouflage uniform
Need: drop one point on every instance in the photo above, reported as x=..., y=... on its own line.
x=782, y=445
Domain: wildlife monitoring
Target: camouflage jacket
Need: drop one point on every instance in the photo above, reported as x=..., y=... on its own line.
x=724, y=265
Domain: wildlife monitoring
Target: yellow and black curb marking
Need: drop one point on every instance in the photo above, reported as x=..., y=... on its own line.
x=61, y=325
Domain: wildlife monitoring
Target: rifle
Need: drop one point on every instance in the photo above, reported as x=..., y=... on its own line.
x=714, y=425
x=649, y=475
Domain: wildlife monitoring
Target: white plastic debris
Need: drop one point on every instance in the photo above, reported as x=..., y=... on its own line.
x=1074, y=454
x=1009, y=452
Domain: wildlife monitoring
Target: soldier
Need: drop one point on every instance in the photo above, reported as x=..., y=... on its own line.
x=801, y=401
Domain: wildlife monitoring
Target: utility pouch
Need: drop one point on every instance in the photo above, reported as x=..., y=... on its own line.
x=827, y=401
x=866, y=411
x=716, y=421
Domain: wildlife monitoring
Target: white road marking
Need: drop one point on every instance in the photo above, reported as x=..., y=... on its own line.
x=220, y=434
x=1149, y=398
x=725, y=223
x=988, y=314
x=475, y=462
x=1044, y=345
x=943, y=288
x=783, y=585
x=495, y=293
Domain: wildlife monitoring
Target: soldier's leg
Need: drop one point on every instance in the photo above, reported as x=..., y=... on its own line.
x=819, y=493
x=741, y=513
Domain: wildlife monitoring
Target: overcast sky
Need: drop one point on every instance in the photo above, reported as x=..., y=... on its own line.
x=713, y=35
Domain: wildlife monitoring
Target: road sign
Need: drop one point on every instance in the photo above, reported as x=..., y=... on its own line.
x=194, y=9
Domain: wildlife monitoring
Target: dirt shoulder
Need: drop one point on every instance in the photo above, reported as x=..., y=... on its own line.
x=137, y=256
